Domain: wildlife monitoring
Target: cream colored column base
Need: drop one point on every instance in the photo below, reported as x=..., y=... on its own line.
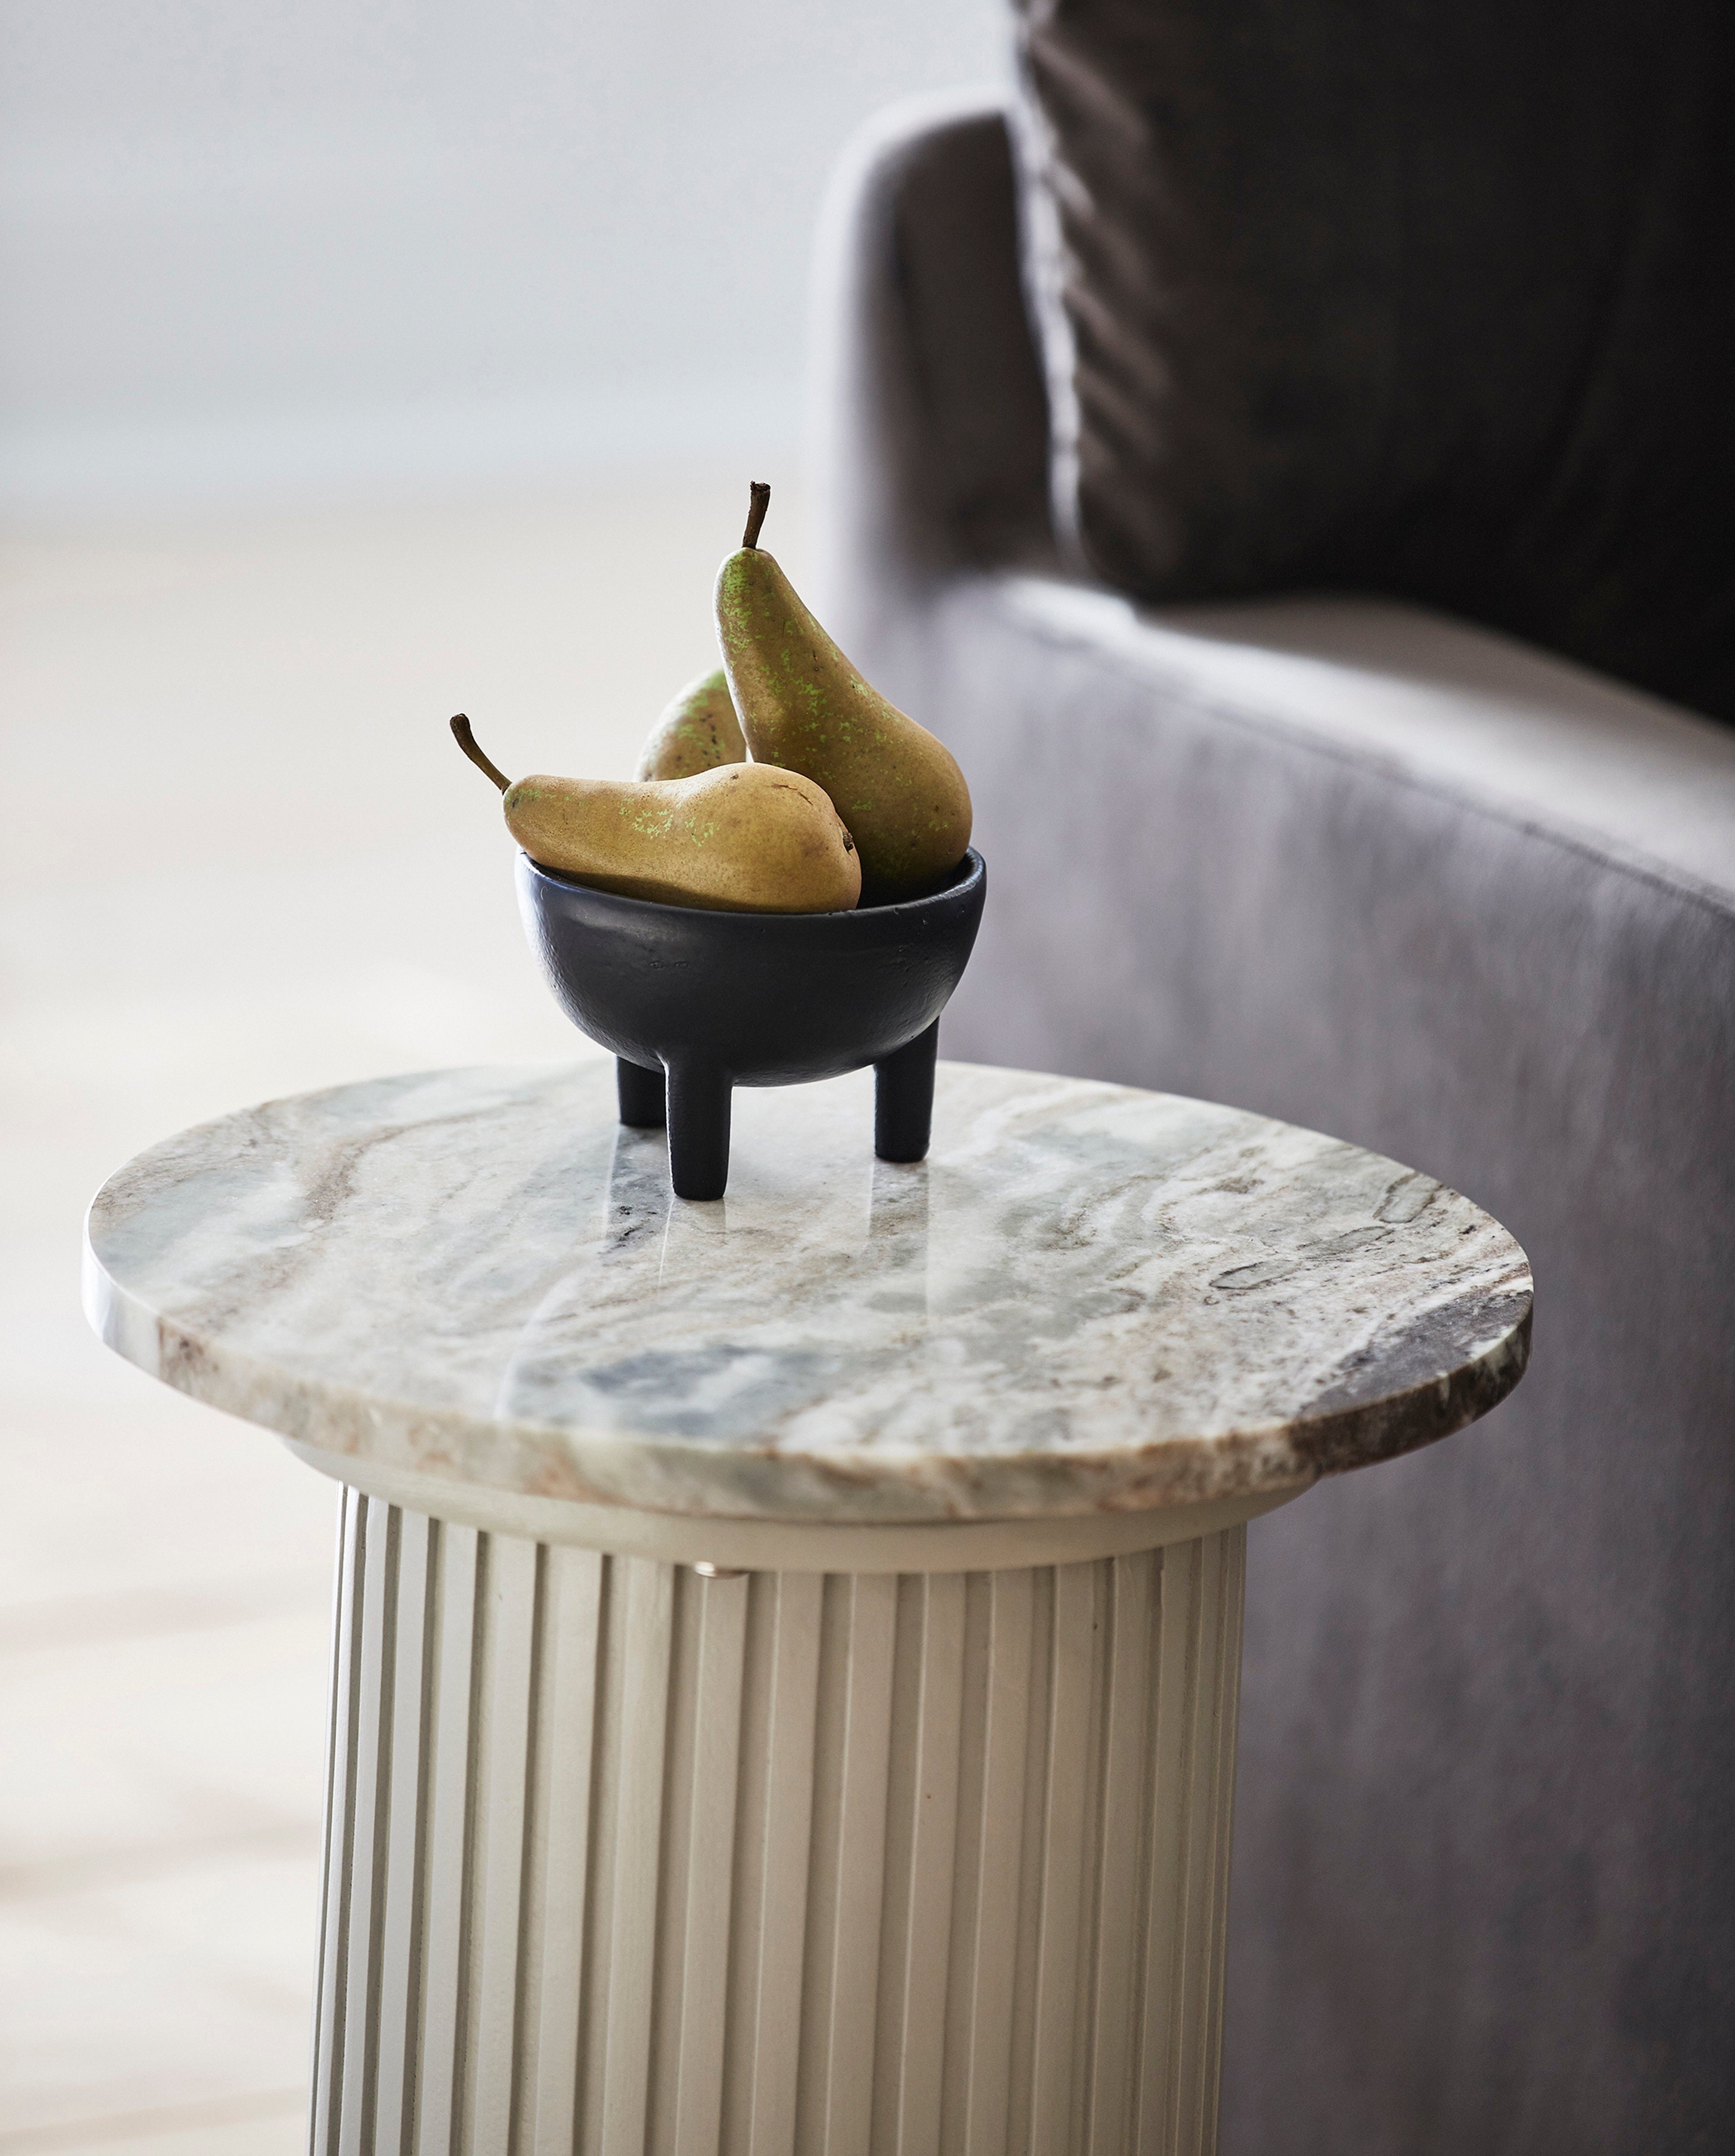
x=622, y=1858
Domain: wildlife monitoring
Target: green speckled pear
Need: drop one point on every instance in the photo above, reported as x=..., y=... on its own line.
x=741, y=838
x=698, y=732
x=804, y=706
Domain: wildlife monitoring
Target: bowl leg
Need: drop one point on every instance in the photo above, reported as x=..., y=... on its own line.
x=644, y=1102
x=699, y=1097
x=903, y=1098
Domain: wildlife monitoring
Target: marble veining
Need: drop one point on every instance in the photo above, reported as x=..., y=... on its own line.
x=1088, y=1297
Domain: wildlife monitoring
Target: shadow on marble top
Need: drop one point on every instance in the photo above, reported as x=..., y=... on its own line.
x=1088, y=1298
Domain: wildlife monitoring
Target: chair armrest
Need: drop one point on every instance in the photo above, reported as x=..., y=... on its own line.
x=928, y=423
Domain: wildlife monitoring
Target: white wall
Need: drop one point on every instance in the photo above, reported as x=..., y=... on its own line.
x=289, y=246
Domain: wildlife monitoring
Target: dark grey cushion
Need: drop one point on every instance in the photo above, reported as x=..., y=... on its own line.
x=1430, y=297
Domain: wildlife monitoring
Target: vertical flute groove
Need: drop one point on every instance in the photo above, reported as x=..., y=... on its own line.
x=382, y=1858
x=599, y=1879
x=1033, y=1839
x=340, y=1807
x=459, y=1562
x=989, y=2066
x=825, y=1856
x=711, y=1836
x=464, y=2062
x=570, y=1617
x=855, y=1927
x=405, y=1818
x=1228, y=1693
x=1125, y=1808
x=370, y=1740
x=1161, y=1852
x=318, y=2139
x=341, y=1829
x=331, y=1848
x=500, y=1787
x=533, y=1830
x=1197, y=1914
x=788, y=1835
x=1064, y=1836
x=917, y=1950
x=637, y=1845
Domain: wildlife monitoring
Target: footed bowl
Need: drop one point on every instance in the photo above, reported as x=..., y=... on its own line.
x=693, y=1003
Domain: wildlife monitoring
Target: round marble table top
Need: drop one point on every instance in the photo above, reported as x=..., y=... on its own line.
x=1088, y=1298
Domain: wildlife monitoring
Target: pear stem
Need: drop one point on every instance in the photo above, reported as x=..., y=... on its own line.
x=466, y=741
x=760, y=497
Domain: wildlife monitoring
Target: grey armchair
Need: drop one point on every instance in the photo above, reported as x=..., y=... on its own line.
x=1369, y=869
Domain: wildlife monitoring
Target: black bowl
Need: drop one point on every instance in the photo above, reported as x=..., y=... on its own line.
x=694, y=1003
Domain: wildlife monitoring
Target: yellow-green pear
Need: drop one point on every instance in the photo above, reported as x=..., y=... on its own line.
x=804, y=706
x=697, y=732
x=742, y=838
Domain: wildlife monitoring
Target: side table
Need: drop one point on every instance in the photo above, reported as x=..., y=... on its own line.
x=786, y=1650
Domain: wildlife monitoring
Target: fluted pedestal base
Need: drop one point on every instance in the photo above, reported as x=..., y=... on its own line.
x=622, y=1858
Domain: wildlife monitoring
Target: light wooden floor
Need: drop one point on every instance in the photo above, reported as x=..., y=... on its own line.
x=239, y=856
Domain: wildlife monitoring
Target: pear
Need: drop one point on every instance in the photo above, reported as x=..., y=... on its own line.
x=697, y=732
x=741, y=838
x=805, y=707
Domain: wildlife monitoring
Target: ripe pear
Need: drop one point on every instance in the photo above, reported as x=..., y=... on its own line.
x=742, y=838
x=697, y=732
x=805, y=707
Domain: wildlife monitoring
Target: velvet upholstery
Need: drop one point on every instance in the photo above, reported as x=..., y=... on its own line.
x=1357, y=864
x=1432, y=297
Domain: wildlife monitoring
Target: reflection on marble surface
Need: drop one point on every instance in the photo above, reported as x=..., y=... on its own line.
x=1087, y=1297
